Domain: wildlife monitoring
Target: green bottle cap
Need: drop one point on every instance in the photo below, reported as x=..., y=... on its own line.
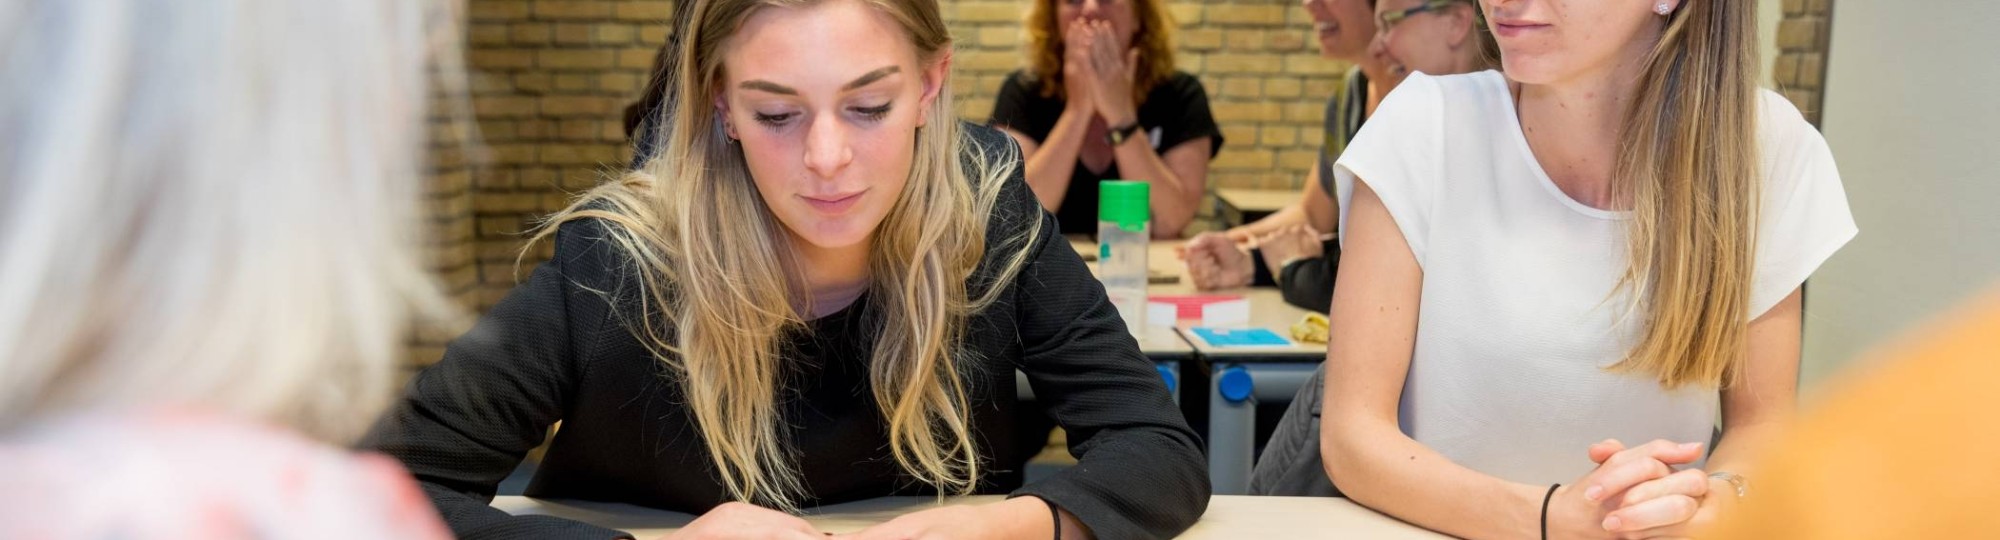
x=1124, y=203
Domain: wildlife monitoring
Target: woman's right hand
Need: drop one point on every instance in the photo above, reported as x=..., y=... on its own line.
x=1578, y=510
x=1078, y=77
x=1241, y=235
x=735, y=520
x=1287, y=244
x=1215, y=261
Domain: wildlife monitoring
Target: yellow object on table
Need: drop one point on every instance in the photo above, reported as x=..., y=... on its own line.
x=1311, y=328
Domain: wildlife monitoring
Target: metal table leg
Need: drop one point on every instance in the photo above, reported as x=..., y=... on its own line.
x=1234, y=392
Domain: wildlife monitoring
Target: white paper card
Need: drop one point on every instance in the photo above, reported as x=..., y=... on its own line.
x=1226, y=313
x=1161, y=314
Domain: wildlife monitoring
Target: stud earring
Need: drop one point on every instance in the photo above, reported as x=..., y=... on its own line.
x=1663, y=8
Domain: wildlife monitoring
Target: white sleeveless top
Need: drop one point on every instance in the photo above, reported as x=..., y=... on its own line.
x=1518, y=319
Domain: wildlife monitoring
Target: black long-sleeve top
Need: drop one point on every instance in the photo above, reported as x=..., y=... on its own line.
x=555, y=349
x=1306, y=283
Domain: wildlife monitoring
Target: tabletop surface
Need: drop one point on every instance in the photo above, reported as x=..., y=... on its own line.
x=1257, y=200
x=1228, y=516
x=1267, y=310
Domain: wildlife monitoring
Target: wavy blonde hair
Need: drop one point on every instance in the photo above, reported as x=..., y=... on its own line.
x=212, y=204
x=1688, y=160
x=1154, y=39
x=718, y=277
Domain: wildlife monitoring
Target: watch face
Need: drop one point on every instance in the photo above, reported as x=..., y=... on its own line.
x=1117, y=136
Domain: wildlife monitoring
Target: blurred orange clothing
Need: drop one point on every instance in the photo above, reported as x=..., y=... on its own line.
x=1906, y=448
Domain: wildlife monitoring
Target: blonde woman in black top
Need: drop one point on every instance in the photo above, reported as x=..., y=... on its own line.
x=818, y=291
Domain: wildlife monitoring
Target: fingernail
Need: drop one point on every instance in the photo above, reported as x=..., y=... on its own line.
x=1690, y=446
x=1612, y=523
x=1593, y=493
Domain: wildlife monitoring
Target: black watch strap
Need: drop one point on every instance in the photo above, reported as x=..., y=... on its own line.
x=1117, y=135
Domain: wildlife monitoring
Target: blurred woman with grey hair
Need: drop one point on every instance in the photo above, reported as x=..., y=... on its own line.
x=208, y=259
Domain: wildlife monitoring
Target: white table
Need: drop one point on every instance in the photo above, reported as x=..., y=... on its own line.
x=1268, y=310
x=1239, y=379
x=1228, y=517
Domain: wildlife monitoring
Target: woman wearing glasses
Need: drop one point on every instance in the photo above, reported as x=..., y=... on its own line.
x=1345, y=31
x=1603, y=245
x=1435, y=37
x=1288, y=243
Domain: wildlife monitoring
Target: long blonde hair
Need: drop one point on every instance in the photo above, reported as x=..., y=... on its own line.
x=1154, y=39
x=718, y=277
x=211, y=204
x=1687, y=159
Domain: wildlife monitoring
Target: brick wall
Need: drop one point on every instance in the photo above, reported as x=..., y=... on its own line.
x=550, y=78
x=448, y=203
x=1800, y=69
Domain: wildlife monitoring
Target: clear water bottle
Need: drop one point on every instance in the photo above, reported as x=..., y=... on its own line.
x=1123, y=214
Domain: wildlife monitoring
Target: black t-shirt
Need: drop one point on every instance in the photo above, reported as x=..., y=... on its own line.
x=1175, y=112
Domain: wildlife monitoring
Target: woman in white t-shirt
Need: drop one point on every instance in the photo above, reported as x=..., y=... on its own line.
x=1605, y=244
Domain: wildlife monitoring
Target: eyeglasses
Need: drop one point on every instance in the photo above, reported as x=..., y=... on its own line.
x=1387, y=20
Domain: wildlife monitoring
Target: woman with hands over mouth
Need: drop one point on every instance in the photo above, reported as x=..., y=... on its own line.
x=1344, y=30
x=1294, y=247
x=1101, y=100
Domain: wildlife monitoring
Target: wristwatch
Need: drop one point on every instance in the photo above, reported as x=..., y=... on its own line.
x=1118, y=135
x=1737, y=481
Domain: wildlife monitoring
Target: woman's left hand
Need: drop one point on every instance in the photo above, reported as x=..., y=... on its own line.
x=1672, y=506
x=1288, y=244
x=1020, y=517
x=1116, y=67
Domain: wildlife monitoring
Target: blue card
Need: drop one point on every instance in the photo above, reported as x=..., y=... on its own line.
x=1241, y=337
